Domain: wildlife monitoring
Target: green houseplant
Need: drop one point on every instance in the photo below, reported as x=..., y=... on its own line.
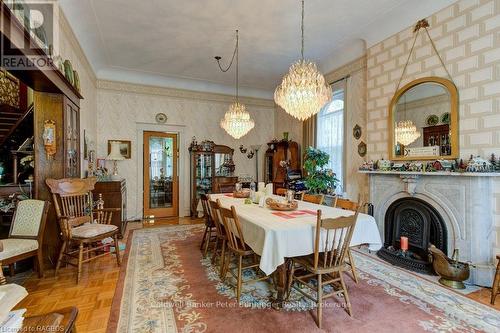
x=319, y=179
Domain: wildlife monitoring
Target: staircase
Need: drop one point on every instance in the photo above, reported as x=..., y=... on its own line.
x=10, y=118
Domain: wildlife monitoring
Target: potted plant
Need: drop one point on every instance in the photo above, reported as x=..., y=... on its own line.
x=319, y=179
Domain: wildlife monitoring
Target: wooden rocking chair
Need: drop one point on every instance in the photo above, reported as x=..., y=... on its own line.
x=80, y=223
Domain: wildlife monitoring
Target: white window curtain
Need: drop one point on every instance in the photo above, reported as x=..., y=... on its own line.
x=330, y=130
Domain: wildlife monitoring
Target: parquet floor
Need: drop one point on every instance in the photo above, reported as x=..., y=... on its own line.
x=94, y=295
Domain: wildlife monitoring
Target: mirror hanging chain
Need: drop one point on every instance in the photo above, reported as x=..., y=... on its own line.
x=422, y=24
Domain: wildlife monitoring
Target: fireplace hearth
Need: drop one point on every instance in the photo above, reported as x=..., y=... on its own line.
x=422, y=224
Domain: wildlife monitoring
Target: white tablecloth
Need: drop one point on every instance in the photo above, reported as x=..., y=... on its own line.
x=275, y=238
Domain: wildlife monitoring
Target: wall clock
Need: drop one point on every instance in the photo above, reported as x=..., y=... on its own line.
x=161, y=118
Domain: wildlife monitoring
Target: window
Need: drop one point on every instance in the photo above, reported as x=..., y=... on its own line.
x=330, y=131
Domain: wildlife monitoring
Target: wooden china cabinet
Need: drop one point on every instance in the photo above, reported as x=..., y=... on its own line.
x=278, y=151
x=211, y=167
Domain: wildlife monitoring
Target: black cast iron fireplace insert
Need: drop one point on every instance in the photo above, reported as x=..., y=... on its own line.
x=422, y=224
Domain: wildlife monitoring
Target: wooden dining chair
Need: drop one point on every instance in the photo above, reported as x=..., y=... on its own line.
x=2, y=277
x=221, y=241
x=209, y=234
x=237, y=248
x=281, y=191
x=495, y=288
x=81, y=225
x=354, y=206
x=26, y=235
x=312, y=198
x=225, y=188
x=327, y=263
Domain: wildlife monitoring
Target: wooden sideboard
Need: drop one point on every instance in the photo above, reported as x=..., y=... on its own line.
x=114, y=194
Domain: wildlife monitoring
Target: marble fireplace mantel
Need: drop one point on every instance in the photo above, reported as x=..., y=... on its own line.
x=464, y=201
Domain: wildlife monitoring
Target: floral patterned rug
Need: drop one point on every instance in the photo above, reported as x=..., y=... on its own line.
x=166, y=286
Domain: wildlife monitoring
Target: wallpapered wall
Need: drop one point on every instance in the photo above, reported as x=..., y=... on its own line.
x=69, y=48
x=467, y=37
x=355, y=114
x=125, y=110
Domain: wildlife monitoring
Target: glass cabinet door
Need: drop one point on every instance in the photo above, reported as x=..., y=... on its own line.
x=203, y=173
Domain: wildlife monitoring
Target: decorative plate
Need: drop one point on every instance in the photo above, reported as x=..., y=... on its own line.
x=161, y=118
x=356, y=132
x=362, y=149
x=432, y=120
x=445, y=118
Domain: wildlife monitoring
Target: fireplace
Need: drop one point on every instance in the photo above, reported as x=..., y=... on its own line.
x=422, y=224
x=466, y=220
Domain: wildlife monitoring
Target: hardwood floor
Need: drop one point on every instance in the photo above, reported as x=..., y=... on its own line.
x=94, y=294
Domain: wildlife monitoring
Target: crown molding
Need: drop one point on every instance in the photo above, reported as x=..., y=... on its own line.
x=65, y=28
x=346, y=70
x=181, y=93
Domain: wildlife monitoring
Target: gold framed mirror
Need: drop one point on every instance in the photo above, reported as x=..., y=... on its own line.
x=423, y=120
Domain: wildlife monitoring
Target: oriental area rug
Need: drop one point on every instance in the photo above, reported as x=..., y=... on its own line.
x=166, y=285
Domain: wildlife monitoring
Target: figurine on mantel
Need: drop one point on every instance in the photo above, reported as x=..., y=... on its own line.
x=478, y=164
x=495, y=163
x=474, y=164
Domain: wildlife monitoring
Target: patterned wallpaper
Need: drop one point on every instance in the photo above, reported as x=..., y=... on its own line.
x=122, y=109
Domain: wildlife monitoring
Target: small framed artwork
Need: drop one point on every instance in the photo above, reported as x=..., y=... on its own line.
x=125, y=148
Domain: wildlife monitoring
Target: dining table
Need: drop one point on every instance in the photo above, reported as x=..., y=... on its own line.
x=277, y=236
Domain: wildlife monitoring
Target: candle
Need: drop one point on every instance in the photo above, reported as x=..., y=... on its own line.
x=404, y=243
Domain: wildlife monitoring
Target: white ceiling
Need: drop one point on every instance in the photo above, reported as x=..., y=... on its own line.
x=173, y=43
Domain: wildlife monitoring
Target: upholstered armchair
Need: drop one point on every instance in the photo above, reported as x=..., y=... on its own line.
x=25, y=235
x=82, y=227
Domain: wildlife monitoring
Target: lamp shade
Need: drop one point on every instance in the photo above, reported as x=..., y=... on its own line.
x=115, y=154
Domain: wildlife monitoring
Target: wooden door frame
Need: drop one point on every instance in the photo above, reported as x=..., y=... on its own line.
x=145, y=172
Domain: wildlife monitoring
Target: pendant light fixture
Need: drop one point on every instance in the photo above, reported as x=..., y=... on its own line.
x=406, y=132
x=237, y=121
x=303, y=91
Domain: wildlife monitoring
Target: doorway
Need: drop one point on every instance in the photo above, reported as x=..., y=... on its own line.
x=161, y=181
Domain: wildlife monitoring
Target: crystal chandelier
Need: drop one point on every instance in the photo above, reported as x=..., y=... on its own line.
x=236, y=121
x=406, y=132
x=303, y=91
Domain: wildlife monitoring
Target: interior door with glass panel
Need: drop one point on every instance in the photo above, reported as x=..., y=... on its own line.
x=161, y=188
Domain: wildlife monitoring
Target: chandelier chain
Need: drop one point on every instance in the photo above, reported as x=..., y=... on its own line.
x=237, y=64
x=235, y=56
x=302, y=31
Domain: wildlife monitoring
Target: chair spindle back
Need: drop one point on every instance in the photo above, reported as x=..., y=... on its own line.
x=313, y=198
x=206, y=210
x=233, y=228
x=214, y=209
x=330, y=247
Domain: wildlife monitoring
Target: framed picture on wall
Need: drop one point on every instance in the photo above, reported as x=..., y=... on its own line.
x=125, y=148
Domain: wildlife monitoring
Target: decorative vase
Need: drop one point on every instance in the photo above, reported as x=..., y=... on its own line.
x=285, y=136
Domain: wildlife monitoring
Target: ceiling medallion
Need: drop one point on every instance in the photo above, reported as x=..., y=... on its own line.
x=303, y=90
x=237, y=121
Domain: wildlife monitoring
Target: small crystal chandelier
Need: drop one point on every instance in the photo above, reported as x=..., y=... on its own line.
x=406, y=132
x=303, y=91
x=236, y=121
